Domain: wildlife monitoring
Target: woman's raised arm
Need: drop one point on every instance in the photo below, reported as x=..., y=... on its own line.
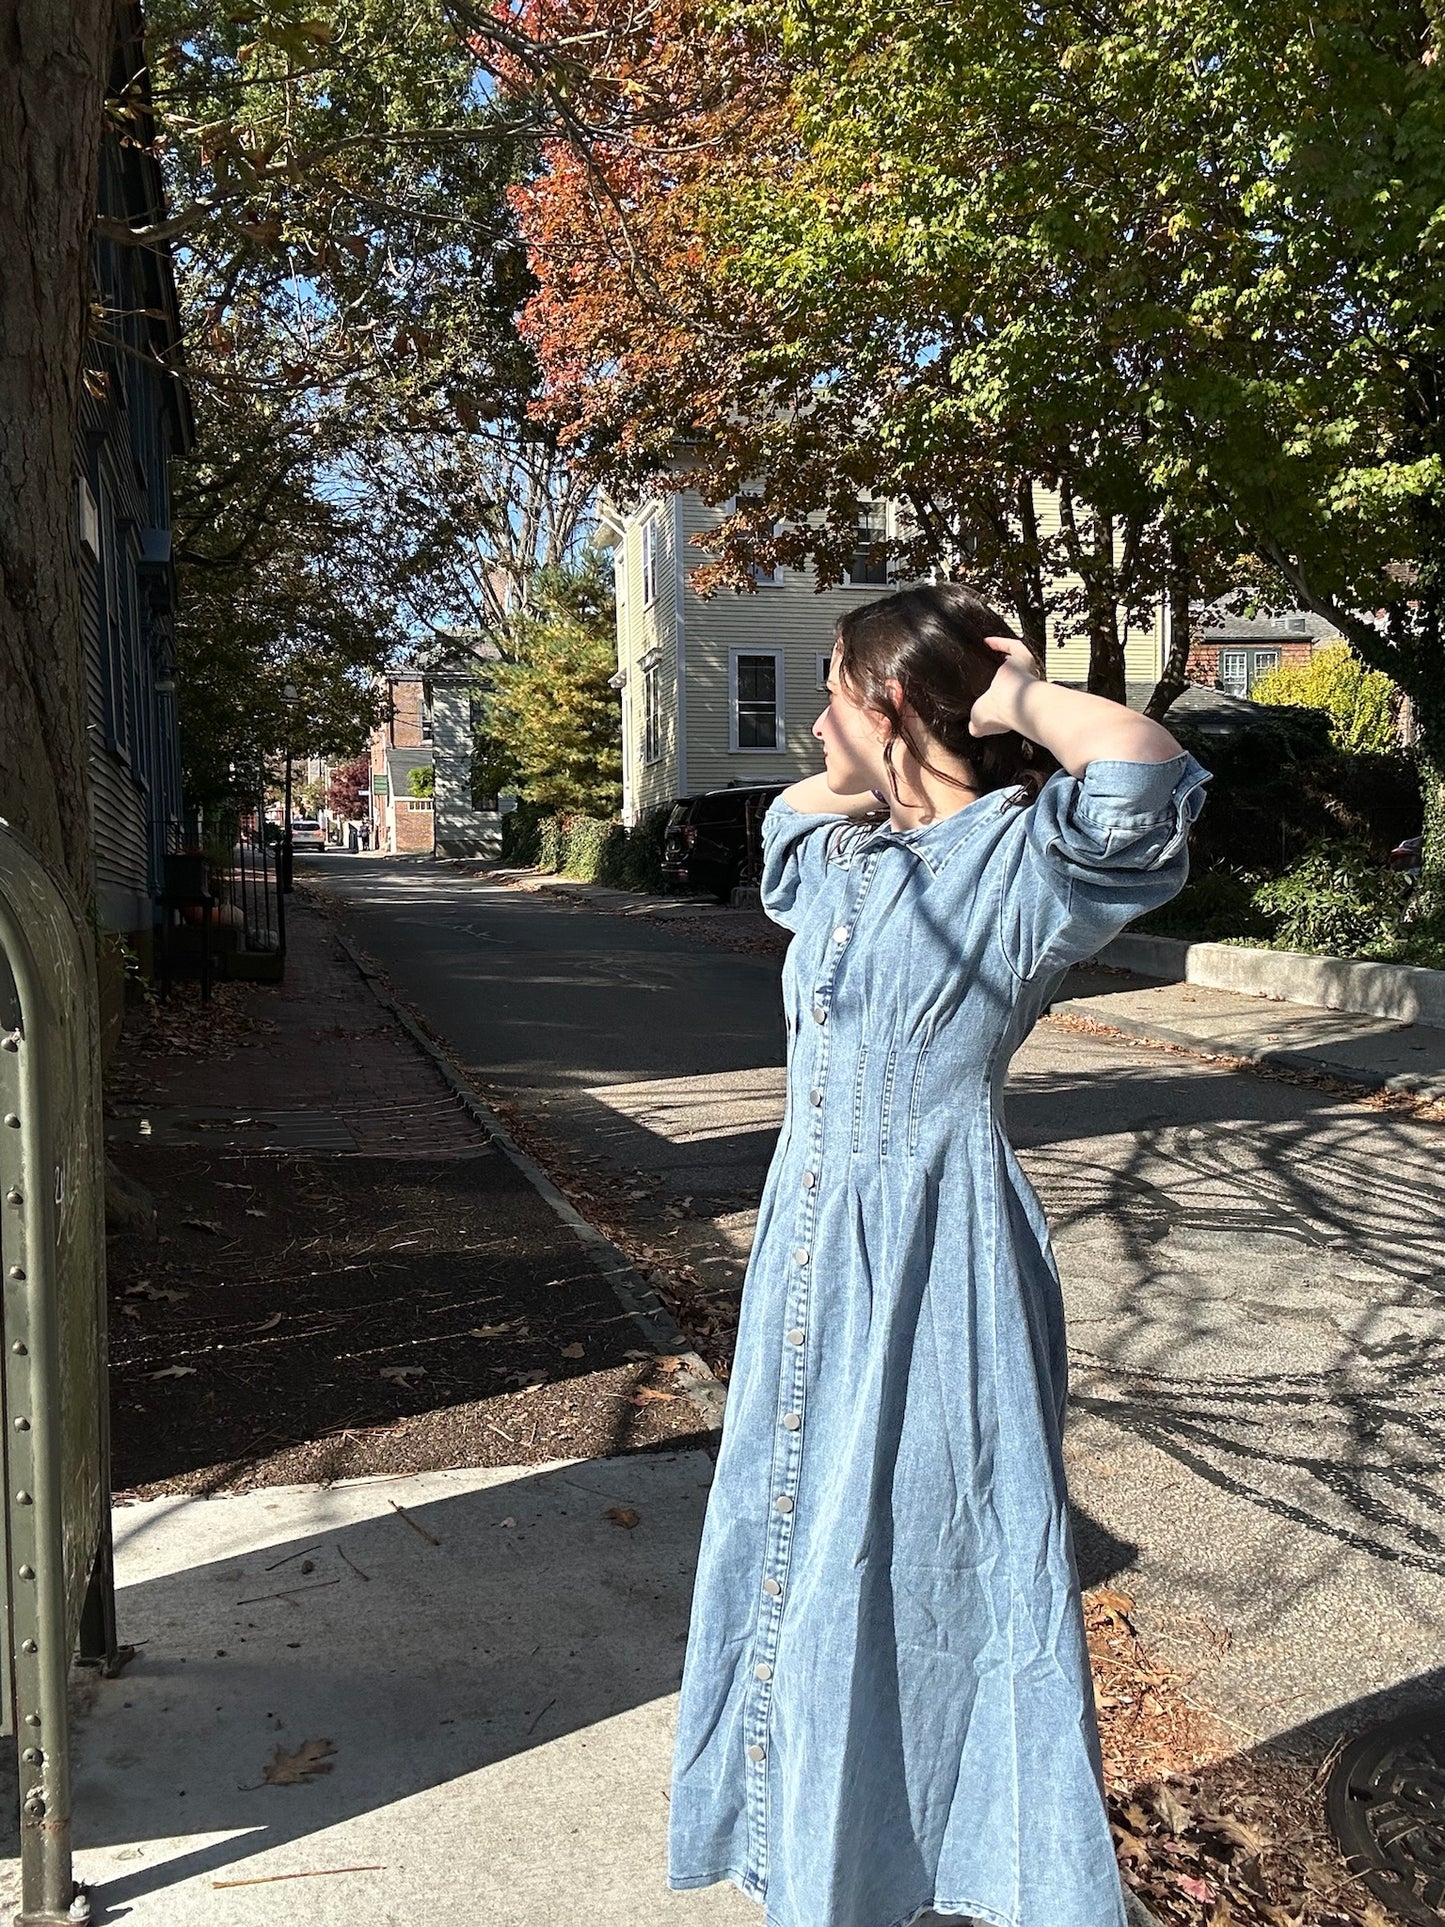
x=1078, y=728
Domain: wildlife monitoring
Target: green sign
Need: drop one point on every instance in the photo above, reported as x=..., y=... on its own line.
x=378, y=782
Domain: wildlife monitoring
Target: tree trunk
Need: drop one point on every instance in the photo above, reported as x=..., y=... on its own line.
x=1427, y=907
x=1175, y=679
x=52, y=81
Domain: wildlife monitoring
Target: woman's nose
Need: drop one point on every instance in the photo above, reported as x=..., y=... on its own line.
x=818, y=725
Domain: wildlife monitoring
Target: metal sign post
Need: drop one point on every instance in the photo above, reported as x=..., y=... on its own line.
x=58, y=1593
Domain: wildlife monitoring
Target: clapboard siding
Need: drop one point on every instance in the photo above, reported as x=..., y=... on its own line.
x=135, y=416
x=790, y=615
x=1068, y=657
x=693, y=639
x=647, y=636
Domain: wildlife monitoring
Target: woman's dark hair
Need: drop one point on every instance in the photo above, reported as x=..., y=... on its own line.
x=930, y=641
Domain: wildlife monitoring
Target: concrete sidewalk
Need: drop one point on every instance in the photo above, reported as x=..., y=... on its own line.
x=485, y=1676
x=1374, y=1053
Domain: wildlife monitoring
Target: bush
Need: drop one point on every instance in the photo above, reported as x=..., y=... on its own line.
x=1337, y=900
x=1361, y=703
x=422, y=781
x=1281, y=788
x=1215, y=904
x=593, y=849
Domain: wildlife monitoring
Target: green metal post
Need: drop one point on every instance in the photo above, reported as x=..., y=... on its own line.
x=55, y=1395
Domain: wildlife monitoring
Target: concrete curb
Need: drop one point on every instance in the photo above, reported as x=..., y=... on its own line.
x=1402, y=991
x=1275, y=1056
x=636, y=1296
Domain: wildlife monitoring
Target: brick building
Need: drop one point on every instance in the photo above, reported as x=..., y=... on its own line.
x=1232, y=652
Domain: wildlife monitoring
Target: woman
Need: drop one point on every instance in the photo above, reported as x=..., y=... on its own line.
x=886, y=1702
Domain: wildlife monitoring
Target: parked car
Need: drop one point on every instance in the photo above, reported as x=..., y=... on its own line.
x=714, y=841
x=307, y=834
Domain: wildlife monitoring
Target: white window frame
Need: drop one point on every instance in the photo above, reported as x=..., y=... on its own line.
x=1261, y=661
x=825, y=663
x=762, y=578
x=1241, y=656
x=780, y=734
x=649, y=560
x=848, y=579
x=651, y=713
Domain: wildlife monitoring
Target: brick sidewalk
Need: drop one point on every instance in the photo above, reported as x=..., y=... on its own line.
x=314, y=1064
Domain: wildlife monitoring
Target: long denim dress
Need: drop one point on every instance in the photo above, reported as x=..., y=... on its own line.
x=886, y=1701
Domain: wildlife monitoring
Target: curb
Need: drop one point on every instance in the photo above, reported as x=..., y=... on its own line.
x=1405, y=1083
x=637, y=1298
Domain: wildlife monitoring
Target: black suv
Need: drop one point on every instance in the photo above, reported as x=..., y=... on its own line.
x=714, y=842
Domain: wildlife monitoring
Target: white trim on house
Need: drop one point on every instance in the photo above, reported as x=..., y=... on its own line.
x=680, y=655
x=780, y=733
x=649, y=558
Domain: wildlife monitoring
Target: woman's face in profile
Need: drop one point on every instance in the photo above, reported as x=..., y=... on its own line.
x=852, y=739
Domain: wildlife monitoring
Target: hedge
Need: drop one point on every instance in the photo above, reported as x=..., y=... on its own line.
x=593, y=849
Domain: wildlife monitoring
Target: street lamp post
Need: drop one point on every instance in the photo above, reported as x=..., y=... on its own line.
x=290, y=698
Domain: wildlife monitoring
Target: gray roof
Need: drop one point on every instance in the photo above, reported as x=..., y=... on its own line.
x=1215, y=625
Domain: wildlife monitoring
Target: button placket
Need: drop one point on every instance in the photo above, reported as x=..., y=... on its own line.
x=786, y=1458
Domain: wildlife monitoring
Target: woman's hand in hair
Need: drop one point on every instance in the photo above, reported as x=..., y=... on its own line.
x=1077, y=728
x=996, y=711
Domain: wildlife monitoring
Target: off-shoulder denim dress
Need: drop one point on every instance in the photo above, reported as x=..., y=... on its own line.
x=886, y=1702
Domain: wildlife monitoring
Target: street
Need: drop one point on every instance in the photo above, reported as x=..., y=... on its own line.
x=1253, y=1269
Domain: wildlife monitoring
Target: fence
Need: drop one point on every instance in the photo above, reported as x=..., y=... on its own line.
x=57, y=1593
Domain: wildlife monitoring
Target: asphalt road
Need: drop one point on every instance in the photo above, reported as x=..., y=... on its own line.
x=1255, y=1272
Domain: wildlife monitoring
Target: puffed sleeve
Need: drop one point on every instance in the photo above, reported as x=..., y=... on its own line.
x=1096, y=851
x=795, y=856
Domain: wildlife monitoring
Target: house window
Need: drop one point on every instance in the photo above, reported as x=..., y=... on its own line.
x=649, y=561
x=756, y=698
x=652, y=714
x=870, y=568
x=426, y=720
x=825, y=663
x=1240, y=669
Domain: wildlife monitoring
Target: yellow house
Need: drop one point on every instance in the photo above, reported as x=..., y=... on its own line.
x=723, y=689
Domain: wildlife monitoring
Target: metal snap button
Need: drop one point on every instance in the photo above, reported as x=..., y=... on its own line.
x=783, y=1503
x=791, y=1421
x=796, y=1335
x=762, y=1671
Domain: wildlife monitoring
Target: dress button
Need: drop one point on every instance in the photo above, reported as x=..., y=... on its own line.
x=815, y=1097
x=784, y=1503
x=841, y=934
x=802, y=1254
x=796, y=1335
x=791, y=1421
x=810, y=1178
x=771, y=1588
x=756, y=1752
x=820, y=1015
x=762, y=1671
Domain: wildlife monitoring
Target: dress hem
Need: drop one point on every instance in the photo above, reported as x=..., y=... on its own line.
x=972, y=1910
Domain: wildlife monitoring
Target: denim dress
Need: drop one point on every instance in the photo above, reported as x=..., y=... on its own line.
x=886, y=1702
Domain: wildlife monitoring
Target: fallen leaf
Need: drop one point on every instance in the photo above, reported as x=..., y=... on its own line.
x=623, y=1515
x=402, y=1374
x=130, y=1311
x=667, y=1362
x=574, y=1351
x=1192, y=1888
x=1130, y=1846
x=1112, y=1602
x=1169, y=1810
x=492, y=1331
x=268, y=1324
x=158, y=1294
x=200, y=1224
x=295, y=1769
x=175, y=1371
x=652, y=1395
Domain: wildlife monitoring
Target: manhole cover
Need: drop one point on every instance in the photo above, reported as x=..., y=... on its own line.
x=1386, y=1804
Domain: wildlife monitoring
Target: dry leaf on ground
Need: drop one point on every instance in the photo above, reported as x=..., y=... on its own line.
x=651, y=1395
x=574, y=1351
x=402, y=1374
x=295, y=1769
x=175, y=1371
x=623, y=1515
